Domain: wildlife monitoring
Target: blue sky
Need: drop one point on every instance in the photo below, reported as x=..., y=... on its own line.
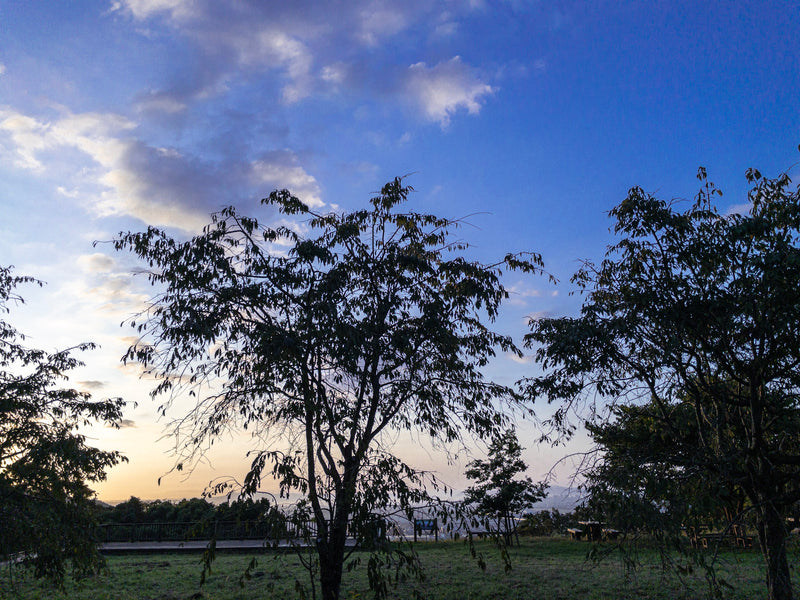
x=534, y=117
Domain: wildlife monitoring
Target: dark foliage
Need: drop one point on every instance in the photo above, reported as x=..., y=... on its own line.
x=192, y=510
x=500, y=495
x=321, y=343
x=46, y=506
x=695, y=317
x=546, y=523
x=650, y=481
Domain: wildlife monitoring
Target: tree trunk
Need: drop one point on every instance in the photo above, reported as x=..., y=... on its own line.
x=508, y=533
x=772, y=538
x=332, y=550
x=331, y=561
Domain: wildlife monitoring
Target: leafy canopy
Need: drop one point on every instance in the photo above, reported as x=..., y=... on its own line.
x=46, y=507
x=321, y=336
x=650, y=481
x=700, y=311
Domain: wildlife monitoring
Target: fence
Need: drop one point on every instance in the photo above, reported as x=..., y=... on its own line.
x=220, y=530
x=272, y=529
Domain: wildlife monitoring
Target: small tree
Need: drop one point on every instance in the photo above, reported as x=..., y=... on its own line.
x=320, y=344
x=499, y=494
x=697, y=312
x=46, y=507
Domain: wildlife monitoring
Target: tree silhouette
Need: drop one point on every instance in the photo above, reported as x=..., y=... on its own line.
x=46, y=507
x=321, y=337
x=499, y=494
x=697, y=310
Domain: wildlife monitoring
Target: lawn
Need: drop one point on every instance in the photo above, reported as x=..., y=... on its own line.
x=545, y=568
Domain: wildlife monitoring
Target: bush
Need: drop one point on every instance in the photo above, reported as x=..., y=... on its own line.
x=545, y=523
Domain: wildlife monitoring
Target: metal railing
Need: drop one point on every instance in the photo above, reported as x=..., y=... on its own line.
x=203, y=530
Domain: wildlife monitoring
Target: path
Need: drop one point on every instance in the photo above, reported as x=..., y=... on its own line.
x=197, y=546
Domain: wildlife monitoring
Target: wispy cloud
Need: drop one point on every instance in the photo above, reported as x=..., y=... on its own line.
x=444, y=89
x=159, y=102
x=96, y=263
x=378, y=20
x=541, y=314
x=282, y=169
x=233, y=40
x=522, y=360
x=26, y=137
x=310, y=48
x=104, y=284
x=740, y=209
x=118, y=174
x=518, y=294
x=142, y=9
x=91, y=384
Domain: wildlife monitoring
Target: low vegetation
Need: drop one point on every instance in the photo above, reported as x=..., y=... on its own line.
x=550, y=568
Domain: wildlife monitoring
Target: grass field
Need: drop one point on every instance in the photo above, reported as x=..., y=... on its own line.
x=543, y=568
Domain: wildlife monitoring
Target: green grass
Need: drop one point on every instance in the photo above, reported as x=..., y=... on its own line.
x=546, y=568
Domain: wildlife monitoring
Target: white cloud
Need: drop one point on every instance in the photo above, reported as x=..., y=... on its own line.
x=739, y=209
x=73, y=194
x=152, y=184
x=334, y=74
x=379, y=20
x=90, y=133
x=97, y=135
x=538, y=315
x=143, y=9
x=306, y=43
x=91, y=384
x=444, y=89
x=298, y=62
x=115, y=174
x=2, y=69
x=518, y=295
x=269, y=46
x=159, y=102
x=281, y=170
x=522, y=360
x=28, y=137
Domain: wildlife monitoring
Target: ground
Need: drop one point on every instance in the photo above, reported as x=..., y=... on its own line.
x=546, y=568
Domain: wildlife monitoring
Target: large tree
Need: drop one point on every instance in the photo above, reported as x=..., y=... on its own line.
x=46, y=506
x=324, y=337
x=698, y=309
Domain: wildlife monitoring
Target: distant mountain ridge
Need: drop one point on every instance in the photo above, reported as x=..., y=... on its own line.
x=562, y=499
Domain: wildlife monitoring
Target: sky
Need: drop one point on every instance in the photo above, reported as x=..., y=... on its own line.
x=529, y=118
